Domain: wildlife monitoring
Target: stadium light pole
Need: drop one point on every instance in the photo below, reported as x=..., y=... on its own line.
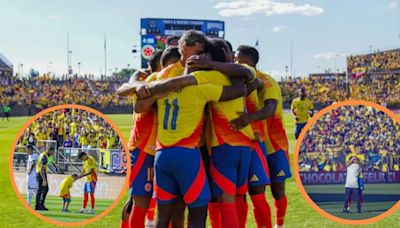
x=105, y=54
x=79, y=68
x=370, y=49
x=291, y=57
x=68, y=65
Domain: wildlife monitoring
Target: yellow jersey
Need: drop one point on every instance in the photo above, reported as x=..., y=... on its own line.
x=89, y=164
x=221, y=113
x=275, y=137
x=171, y=71
x=181, y=115
x=65, y=186
x=144, y=128
x=253, y=105
x=301, y=108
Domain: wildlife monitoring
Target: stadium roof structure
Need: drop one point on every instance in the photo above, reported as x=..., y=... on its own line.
x=4, y=62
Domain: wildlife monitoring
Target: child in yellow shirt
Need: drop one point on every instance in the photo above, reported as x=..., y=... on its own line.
x=65, y=193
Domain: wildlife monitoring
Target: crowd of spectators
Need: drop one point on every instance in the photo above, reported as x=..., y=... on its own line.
x=45, y=91
x=334, y=135
x=73, y=128
x=376, y=62
x=320, y=91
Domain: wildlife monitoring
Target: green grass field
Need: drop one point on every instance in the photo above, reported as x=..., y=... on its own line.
x=54, y=204
x=14, y=214
x=377, y=198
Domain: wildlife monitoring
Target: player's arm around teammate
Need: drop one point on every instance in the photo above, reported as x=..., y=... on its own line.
x=276, y=144
x=137, y=79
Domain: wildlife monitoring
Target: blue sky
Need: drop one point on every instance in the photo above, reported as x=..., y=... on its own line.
x=34, y=32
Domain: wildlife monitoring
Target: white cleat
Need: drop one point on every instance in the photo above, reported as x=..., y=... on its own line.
x=150, y=224
x=276, y=226
x=91, y=211
x=82, y=211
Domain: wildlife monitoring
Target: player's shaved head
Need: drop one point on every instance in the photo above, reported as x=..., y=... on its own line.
x=170, y=55
x=247, y=54
x=154, y=61
x=172, y=41
x=217, y=49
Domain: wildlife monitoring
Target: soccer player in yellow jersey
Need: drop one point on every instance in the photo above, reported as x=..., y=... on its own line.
x=89, y=171
x=65, y=193
x=142, y=147
x=41, y=175
x=270, y=110
x=178, y=164
x=302, y=109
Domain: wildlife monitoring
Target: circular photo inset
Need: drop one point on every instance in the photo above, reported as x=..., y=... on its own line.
x=347, y=162
x=69, y=165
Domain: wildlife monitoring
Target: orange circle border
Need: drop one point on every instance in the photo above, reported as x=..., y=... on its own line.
x=309, y=124
x=116, y=201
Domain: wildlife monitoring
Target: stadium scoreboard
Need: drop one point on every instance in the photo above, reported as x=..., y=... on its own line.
x=154, y=32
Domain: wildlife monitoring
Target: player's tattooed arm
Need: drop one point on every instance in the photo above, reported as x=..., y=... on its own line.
x=165, y=86
x=231, y=69
x=146, y=104
x=169, y=85
x=130, y=88
x=245, y=119
x=236, y=90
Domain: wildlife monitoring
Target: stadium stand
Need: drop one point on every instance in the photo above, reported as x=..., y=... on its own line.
x=373, y=77
x=326, y=145
x=6, y=67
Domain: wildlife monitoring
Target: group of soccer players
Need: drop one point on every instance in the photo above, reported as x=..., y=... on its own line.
x=207, y=130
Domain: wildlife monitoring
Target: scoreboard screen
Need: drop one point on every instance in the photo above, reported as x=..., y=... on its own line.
x=154, y=32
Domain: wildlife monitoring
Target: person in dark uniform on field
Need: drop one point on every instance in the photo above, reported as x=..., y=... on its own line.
x=41, y=169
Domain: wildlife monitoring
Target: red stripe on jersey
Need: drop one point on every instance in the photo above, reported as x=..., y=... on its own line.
x=276, y=134
x=224, y=183
x=142, y=129
x=225, y=134
x=197, y=186
x=191, y=141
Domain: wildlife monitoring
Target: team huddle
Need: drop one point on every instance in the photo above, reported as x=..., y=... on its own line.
x=207, y=130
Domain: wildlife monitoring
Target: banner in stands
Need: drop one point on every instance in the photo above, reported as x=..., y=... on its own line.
x=112, y=161
x=370, y=177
